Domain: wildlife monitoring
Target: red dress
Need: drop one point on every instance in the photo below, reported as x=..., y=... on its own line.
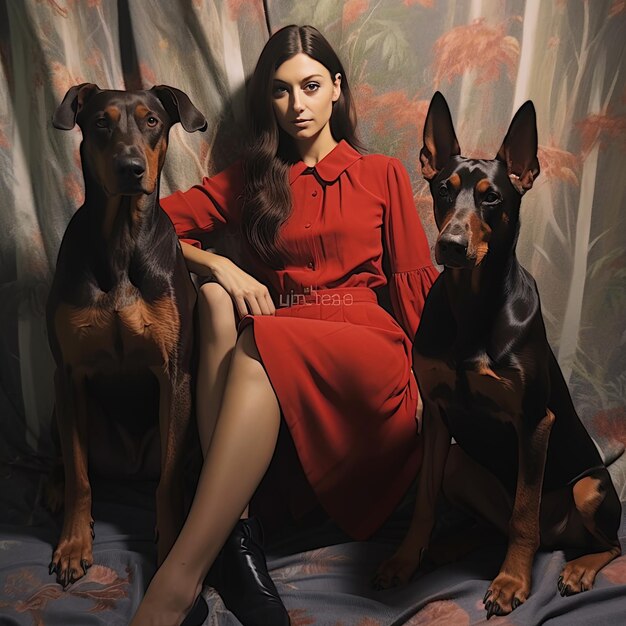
x=339, y=363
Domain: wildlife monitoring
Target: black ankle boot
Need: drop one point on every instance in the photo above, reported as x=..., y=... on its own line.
x=240, y=576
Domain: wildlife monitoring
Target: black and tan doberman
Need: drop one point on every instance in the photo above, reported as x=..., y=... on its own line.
x=120, y=310
x=489, y=378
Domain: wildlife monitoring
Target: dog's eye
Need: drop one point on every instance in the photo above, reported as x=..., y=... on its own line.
x=443, y=190
x=152, y=121
x=102, y=122
x=492, y=197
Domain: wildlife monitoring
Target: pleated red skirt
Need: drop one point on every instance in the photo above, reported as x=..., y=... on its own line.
x=341, y=368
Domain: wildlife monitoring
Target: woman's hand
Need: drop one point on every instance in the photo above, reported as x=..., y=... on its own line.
x=248, y=294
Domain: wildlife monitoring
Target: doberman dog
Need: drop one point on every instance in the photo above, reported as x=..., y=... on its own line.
x=489, y=378
x=121, y=305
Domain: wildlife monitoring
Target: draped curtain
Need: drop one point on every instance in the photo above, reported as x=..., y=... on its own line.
x=486, y=56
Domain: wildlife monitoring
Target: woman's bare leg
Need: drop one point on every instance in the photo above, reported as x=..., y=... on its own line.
x=217, y=335
x=240, y=452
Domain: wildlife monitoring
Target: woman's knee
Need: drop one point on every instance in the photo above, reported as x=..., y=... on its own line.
x=216, y=310
x=246, y=343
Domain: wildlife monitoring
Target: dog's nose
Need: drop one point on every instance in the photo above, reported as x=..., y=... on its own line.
x=131, y=166
x=452, y=251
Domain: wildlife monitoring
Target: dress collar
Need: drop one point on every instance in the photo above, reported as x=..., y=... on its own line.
x=340, y=158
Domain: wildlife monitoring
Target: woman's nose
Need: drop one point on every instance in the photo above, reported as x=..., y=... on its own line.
x=297, y=103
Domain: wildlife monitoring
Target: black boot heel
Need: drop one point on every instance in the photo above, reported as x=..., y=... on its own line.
x=240, y=576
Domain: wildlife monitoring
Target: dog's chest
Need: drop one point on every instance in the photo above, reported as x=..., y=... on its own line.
x=480, y=406
x=118, y=327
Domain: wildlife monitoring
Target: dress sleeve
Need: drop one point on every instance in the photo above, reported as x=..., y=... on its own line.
x=216, y=202
x=407, y=250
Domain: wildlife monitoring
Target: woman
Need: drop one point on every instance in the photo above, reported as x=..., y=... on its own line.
x=318, y=221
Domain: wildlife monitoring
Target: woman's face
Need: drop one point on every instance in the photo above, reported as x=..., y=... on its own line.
x=303, y=93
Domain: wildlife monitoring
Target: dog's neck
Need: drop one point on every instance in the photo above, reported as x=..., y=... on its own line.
x=477, y=296
x=127, y=217
x=122, y=226
x=121, y=219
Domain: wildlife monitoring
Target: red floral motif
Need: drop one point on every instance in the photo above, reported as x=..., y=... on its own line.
x=601, y=128
x=74, y=191
x=4, y=140
x=96, y=58
x=391, y=108
x=352, y=10
x=148, y=77
x=205, y=150
x=63, y=79
x=57, y=8
x=554, y=42
x=392, y=112
x=300, y=617
x=442, y=613
x=616, y=571
x=102, y=586
x=611, y=423
x=558, y=164
x=237, y=8
x=477, y=46
x=312, y=564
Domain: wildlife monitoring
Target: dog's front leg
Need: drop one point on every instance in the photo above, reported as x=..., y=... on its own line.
x=73, y=554
x=174, y=421
x=512, y=585
x=400, y=567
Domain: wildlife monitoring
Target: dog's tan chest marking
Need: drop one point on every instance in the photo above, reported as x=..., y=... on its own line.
x=156, y=323
x=119, y=325
x=487, y=391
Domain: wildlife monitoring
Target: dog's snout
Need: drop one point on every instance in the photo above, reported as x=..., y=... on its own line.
x=451, y=250
x=133, y=167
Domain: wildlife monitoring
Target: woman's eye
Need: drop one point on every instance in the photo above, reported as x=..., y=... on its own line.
x=492, y=197
x=311, y=87
x=152, y=121
x=277, y=92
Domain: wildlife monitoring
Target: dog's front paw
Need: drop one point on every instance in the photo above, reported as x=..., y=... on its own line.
x=505, y=594
x=398, y=569
x=578, y=575
x=73, y=556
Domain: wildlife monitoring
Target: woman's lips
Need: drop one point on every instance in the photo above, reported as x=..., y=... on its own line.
x=301, y=123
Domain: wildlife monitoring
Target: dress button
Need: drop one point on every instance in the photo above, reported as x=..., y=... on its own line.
x=314, y=193
x=307, y=225
x=310, y=265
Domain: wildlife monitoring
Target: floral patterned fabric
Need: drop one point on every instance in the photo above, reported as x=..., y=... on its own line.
x=487, y=57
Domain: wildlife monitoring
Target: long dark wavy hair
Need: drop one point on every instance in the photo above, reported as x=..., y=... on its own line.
x=270, y=150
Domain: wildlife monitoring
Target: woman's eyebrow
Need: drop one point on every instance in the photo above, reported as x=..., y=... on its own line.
x=304, y=80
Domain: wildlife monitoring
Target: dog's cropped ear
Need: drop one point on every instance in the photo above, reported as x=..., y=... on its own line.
x=180, y=108
x=64, y=117
x=440, y=142
x=519, y=148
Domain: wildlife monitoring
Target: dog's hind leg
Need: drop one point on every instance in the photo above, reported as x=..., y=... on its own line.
x=599, y=508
